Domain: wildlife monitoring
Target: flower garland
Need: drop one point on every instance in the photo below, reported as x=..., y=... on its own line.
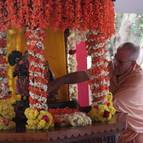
x=4, y=90
x=37, y=70
x=68, y=10
x=75, y=119
x=59, y=14
x=102, y=107
x=72, y=65
x=6, y=115
x=37, y=115
x=38, y=120
x=6, y=109
x=103, y=111
x=3, y=16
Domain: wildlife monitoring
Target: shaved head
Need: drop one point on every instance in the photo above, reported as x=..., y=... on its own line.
x=126, y=57
x=131, y=51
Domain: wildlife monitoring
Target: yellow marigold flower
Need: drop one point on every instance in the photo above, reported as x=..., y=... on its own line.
x=31, y=113
x=41, y=124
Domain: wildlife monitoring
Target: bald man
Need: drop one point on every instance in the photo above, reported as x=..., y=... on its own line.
x=126, y=85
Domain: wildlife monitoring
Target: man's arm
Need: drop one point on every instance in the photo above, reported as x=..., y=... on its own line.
x=71, y=78
x=113, y=84
x=113, y=78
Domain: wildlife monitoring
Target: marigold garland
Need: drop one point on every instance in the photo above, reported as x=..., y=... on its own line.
x=38, y=120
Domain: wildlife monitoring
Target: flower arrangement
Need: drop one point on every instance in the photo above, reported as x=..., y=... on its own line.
x=103, y=111
x=38, y=120
x=78, y=119
x=6, y=115
x=70, y=117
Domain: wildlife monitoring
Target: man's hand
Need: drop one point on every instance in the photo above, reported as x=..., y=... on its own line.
x=71, y=78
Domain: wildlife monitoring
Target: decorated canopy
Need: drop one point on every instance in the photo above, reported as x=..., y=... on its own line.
x=96, y=16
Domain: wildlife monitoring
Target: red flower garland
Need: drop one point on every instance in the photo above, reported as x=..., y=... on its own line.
x=4, y=89
x=69, y=15
x=3, y=17
x=96, y=15
x=78, y=16
x=37, y=82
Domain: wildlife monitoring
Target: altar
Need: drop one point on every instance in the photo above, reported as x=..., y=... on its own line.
x=27, y=29
x=96, y=133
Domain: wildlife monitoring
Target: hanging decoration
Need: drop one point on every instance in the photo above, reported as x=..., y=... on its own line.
x=37, y=70
x=100, y=81
x=96, y=41
x=37, y=114
x=78, y=14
